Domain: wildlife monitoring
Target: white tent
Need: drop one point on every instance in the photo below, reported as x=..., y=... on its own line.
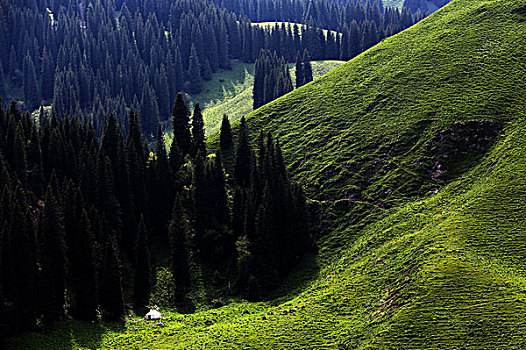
x=153, y=315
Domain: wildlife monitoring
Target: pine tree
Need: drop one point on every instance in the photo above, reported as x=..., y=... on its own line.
x=106, y=202
x=52, y=261
x=48, y=74
x=198, y=131
x=82, y=268
x=2, y=85
x=142, y=280
x=149, y=110
x=194, y=72
x=181, y=125
x=200, y=201
x=259, y=80
x=354, y=39
x=179, y=248
x=20, y=262
x=307, y=68
x=299, y=71
x=163, y=93
x=243, y=155
x=265, y=245
x=161, y=187
x=110, y=290
x=223, y=47
x=206, y=71
x=225, y=138
x=31, y=95
x=220, y=210
x=176, y=159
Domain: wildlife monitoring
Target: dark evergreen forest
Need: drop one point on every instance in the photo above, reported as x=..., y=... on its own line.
x=98, y=57
x=271, y=78
x=79, y=215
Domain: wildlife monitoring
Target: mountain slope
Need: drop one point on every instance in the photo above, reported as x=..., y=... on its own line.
x=445, y=271
x=415, y=153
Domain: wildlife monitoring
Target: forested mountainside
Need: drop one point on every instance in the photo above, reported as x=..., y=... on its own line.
x=79, y=214
x=99, y=57
x=412, y=160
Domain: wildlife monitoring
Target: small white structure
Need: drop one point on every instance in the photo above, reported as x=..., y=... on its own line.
x=152, y=315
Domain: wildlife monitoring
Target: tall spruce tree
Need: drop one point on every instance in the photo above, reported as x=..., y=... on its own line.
x=161, y=187
x=19, y=260
x=52, y=261
x=265, y=246
x=149, y=110
x=307, y=67
x=110, y=287
x=31, y=94
x=181, y=125
x=225, y=137
x=48, y=74
x=179, y=248
x=83, y=271
x=243, y=155
x=194, y=72
x=142, y=280
x=2, y=84
x=299, y=71
x=198, y=131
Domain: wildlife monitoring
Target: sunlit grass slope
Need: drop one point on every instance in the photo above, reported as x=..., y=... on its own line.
x=410, y=257
x=230, y=91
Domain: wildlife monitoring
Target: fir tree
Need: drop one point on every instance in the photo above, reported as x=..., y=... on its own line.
x=48, y=74
x=2, y=84
x=198, y=131
x=82, y=270
x=265, y=246
x=194, y=72
x=161, y=186
x=142, y=280
x=110, y=290
x=299, y=71
x=31, y=95
x=243, y=155
x=52, y=261
x=20, y=262
x=179, y=248
x=307, y=68
x=225, y=138
x=149, y=110
x=181, y=125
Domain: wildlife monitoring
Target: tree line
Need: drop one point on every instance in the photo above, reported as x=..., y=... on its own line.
x=271, y=78
x=328, y=14
x=98, y=57
x=79, y=214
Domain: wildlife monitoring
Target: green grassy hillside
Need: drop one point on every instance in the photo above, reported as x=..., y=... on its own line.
x=415, y=152
x=230, y=91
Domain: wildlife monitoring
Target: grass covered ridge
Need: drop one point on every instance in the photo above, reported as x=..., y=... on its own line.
x=409, y=259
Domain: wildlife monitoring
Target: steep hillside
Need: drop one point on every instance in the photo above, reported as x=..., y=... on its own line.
x=415, y=153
